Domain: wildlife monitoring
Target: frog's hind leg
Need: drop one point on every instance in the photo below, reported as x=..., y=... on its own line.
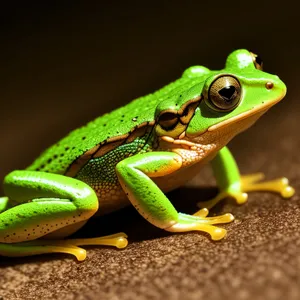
x=69, y=246
x=40, y=247
x=47, y=203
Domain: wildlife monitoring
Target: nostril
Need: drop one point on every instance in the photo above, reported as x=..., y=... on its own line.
x=269, y=85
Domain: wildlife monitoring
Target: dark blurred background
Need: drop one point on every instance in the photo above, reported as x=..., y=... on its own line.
x=63, y=64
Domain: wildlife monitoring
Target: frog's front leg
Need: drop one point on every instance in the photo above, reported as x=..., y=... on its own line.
x=135, y=175
x=47, y=204
x=232, y=184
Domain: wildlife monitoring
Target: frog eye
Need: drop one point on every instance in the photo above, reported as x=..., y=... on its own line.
x=258, y=63
x=224, y=93
x=168, y=120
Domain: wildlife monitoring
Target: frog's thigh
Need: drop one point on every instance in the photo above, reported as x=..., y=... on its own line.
x=48, y=202
x=135, y=174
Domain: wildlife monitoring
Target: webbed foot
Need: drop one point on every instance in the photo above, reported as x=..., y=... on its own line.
x=253, y=182
x=249, y=183
x=200, y=222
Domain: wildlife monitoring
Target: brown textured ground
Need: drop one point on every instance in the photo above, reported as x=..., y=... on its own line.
x=62, y=66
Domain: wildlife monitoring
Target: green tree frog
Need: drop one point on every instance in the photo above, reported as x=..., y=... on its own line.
x=137, y=153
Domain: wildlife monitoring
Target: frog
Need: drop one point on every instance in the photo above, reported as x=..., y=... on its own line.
x=137, y=153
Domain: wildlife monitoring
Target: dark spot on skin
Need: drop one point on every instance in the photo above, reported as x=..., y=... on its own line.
x=122, y=120
x=55, y=156
x=37, y=225
x=104, y=125
x=62, y=155
x=67, y=148
x=42, y=166
x=73, y=148
x=14, y=233
x=6, y=224
x=25, y=229
x=83, y=138
x=49, y=160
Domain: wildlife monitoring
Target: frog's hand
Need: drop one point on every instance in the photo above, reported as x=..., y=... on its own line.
x=231, y=184
x=49, y=204
x=135, y=174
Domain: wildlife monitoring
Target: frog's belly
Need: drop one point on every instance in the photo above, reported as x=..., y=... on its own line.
x=113, y=197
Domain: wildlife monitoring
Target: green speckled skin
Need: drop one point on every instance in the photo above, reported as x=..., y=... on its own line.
x=136, y=153
x=57, y=158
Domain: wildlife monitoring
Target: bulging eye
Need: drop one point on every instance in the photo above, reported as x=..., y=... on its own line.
x=258, y=63
x=224, y=93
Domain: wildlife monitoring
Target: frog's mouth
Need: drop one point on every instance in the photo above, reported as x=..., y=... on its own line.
x=255, y=112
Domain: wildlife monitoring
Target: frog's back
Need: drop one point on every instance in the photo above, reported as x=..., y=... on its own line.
x=116, y=124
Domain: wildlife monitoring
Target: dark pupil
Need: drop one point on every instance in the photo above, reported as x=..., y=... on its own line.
x=227, y=92
x=258, y=60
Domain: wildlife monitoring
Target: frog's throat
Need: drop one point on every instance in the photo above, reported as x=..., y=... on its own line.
x=259, y=109
x=220, y=134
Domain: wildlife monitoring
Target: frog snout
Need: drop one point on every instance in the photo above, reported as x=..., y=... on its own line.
x=276, y=86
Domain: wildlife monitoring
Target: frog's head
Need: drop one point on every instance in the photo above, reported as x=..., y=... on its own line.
x=226, y=101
